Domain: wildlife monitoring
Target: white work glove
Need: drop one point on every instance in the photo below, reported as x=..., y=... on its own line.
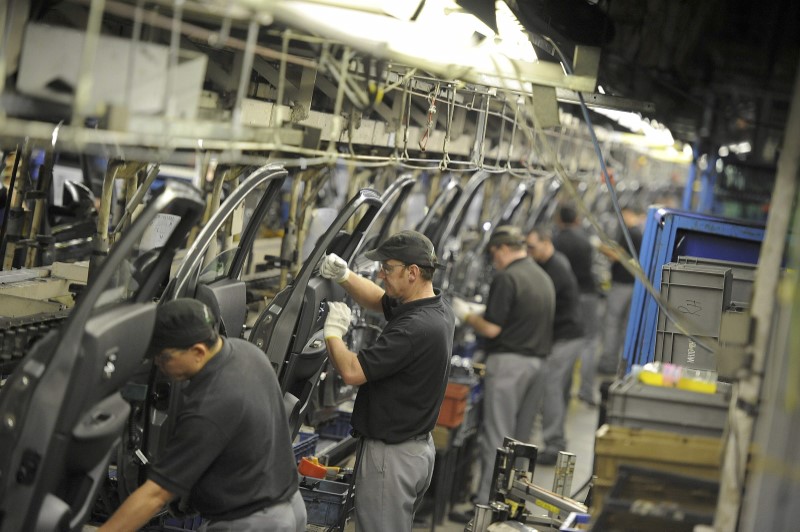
x=338, y=320
x=476, y=308
x=460, y=309
x=334, y=267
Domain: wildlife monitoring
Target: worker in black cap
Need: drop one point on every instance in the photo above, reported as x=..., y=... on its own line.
x=230, y=452
x=518, y=326
x=401, y=378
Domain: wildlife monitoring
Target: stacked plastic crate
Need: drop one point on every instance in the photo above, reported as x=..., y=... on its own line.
x=702, y=290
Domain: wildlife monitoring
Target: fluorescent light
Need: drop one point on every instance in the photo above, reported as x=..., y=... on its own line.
x=441, y=40
x=655, y=134
x=433, y=38
x=513, y=39
x=738, y=148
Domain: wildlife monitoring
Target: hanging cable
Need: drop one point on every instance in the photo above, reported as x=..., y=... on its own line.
x=423, y=141
x=445, y=145
x=407, y=99
x=375, y=84
x=585, y=111
x=513, y=136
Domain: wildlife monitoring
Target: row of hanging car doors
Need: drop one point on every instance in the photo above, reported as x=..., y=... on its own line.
x=87, y=394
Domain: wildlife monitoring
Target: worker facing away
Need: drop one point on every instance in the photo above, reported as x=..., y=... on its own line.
x=574, y=242
x=518, y=326
x=230, y=452
x=567, y=345
x=401, y=377
x=618, y=299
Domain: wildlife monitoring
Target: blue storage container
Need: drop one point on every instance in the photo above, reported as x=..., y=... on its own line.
x=670, y=234
x=305, y=445
x=326, y=501
x=336, y=429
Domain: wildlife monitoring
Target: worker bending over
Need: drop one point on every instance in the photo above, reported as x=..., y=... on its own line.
x=230, y=451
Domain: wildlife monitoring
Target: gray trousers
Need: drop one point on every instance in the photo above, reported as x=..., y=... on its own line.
x=285, y=517
x=391, y=481
x=618, y=305
x=590, y=320
x=510, y=378
x=558, y=370
x=550, y=396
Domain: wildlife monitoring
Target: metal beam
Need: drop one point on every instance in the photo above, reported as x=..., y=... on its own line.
x=552, y=501
x=214, y=69
x=545, y=107
x=271, y=74
x=304, y=95
x=602, y=101
x=744, y=412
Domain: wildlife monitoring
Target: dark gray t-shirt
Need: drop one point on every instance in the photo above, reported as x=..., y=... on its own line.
x=575, y=245
x=522, y=302
x=230, y=450
x=618, y=272
x=406, y=370
x=567, y=321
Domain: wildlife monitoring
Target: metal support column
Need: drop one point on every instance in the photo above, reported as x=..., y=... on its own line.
x=100, y=244
x=38, y=220
x=476, y=157
x=688, y=191
x=745, y=409
x=708, y=180
x=16, y=214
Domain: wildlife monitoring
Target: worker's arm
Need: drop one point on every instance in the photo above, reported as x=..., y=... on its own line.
x=364, y=292
x=484, y=327
x=609, y=252
x=472, y=315
x=345, y=361
x=138, y=509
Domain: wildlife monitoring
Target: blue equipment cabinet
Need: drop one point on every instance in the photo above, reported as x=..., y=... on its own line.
x=671, y=233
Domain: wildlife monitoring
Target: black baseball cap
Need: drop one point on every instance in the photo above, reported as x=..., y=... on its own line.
x=506, y=234
x=181, y=323
x=409, y=247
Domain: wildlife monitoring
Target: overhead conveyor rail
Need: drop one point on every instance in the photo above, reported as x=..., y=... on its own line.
x=278, y=82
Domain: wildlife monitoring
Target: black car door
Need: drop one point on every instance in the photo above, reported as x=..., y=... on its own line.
x=289, y=330
x=62, y=409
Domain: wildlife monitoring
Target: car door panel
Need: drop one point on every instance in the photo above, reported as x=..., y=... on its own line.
x=64, y=396
x=288, y=329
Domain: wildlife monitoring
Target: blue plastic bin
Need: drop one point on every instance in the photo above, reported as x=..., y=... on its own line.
x=336, y=429
x=306, y=445
x=325, y=500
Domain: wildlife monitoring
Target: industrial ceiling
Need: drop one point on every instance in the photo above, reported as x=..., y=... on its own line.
x=715, y=72
x=719, y=72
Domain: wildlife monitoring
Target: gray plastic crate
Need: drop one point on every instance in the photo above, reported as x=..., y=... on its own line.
x=700, y=293
x=637, y=405
x=325, y=500
x=679, y=349
x=743, y=276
